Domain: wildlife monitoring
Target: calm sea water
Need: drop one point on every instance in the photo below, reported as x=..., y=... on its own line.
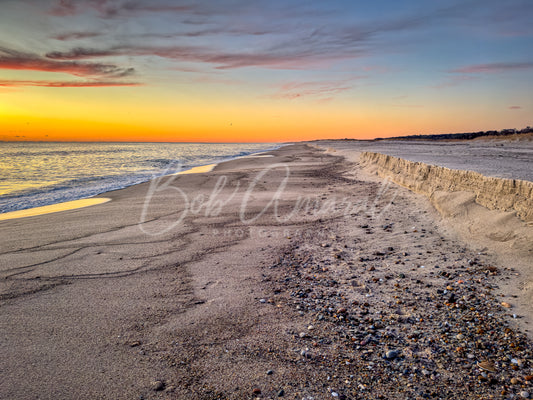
x=38, y=174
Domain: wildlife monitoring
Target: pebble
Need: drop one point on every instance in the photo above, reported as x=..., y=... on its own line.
x=391, y=354
x=506, y=305
x=262, y=301
x=256, y=391
x=487, y=366
x=524, y=394
x=281, y=393
x=414, y=327
x=304, y=353
x=157, y=385
x=270, y=372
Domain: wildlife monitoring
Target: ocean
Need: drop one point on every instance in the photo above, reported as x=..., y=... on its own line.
x=34, y=174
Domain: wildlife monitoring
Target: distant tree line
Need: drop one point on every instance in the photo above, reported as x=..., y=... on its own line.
x=462, y=136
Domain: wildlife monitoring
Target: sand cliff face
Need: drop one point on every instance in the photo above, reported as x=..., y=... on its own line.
x=493, y=193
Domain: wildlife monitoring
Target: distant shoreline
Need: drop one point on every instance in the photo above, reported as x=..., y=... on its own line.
x=503, y=134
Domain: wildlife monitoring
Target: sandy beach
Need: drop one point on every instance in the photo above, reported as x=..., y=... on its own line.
x=300, y=274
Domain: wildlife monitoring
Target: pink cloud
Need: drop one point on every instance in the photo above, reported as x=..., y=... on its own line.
x=76, y=35
x=514, y=107
x=493, y=67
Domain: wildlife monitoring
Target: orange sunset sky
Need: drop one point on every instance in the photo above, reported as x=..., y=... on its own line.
x=233, y=71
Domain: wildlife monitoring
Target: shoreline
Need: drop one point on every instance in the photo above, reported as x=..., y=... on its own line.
x=82, y=203
x=87, y=194
x=297, y=274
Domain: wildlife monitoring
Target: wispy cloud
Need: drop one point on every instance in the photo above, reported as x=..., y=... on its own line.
x=278, y=35
x=64, y=7
x=472, y=72
x=453, y=81
x=65, y=84
x=494, y=67
x=17, y=60
x=215, y=31
x=80, y=53
x=510, y=18
x=514, y=107
x=112, y=8
x=219, y=59
x=313, y=44
x=320, y=90
x=76, y=35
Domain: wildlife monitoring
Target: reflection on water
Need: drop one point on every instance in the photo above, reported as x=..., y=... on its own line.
x=198, y=170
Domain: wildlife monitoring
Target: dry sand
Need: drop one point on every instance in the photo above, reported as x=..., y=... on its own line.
x=488, y=213
x=292, y=276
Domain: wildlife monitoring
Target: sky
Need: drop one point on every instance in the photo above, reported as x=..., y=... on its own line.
x=269, y=71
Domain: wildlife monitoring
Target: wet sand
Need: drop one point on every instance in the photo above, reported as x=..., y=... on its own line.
x=293, y=276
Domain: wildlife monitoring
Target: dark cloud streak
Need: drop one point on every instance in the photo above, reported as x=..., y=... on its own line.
x=221, y=60
x=80, y=53
x=76, y=35
x=16, y=60
x=113, y=8
x=66, y=84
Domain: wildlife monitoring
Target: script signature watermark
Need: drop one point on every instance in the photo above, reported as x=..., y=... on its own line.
x=166, y=188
